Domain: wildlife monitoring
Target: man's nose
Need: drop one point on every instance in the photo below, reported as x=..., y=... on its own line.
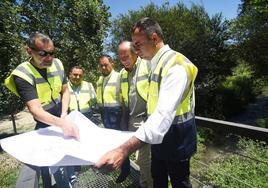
x=49, y=57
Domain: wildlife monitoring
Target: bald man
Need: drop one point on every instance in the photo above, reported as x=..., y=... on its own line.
x=134, y=89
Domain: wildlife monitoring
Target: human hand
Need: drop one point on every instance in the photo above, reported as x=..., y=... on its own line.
x=111, y=160
x=71, y=129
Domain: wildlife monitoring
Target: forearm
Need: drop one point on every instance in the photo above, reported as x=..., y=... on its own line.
x=131, y=146
x=41, y=115
x=68, y=128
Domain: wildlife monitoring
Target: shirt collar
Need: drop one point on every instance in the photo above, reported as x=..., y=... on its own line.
x=73, y=85
x=158, y=55
x=108, y=76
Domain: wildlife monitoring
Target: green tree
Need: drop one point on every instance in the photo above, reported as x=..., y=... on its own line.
x=77, y=28
x=10, y=53
x=250, y=34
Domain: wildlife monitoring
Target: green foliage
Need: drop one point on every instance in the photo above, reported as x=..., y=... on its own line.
x=9, y=170
x=202, y=39
x=250, y=32
x=189, y=31
x=77, y=28
x=239, y=89
x=200, y=151
x=240, y=171
x=8, y=178
x=263, y=122
x=10, y=53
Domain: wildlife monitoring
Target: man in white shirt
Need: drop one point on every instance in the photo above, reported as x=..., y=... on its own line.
x=170, y=126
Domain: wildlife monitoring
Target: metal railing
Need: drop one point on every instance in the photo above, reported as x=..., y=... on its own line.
x=255, y=133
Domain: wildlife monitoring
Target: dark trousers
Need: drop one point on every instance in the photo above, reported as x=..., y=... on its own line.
x=111, y=117
x=46, y=179
x=125, y=168
x=178, y=171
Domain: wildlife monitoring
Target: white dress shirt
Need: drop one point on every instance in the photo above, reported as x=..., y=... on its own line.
x=170, y=95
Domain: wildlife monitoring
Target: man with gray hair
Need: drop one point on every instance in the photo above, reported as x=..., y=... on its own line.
x=134, y=89
x=42, y=84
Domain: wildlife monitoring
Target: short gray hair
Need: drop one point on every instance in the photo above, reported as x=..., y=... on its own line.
x=37, y=35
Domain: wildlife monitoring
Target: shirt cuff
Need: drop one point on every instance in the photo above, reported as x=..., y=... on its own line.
x=140, y=134
x=147, y=135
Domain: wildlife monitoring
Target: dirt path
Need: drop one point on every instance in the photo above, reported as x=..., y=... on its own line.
x=24, y=123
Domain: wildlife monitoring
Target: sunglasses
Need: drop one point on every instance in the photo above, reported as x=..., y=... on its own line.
x=43, y=53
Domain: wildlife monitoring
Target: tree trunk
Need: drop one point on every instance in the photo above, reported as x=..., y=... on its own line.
x=14, y=123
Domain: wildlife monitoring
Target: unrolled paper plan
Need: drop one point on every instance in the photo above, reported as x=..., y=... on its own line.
x=49, y=147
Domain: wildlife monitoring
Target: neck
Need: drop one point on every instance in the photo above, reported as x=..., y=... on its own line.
x=76, y=85
x=158, y=46
x=106, y=75
x=34, y=64
x=129, y=69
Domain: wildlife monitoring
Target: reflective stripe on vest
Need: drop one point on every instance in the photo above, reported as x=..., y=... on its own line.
x=110, y=95
x=86, y=97
x=142, y=80
x=168, y=60
x=48, y=91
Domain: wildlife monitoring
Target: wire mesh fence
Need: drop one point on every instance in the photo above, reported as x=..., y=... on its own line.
x=90, y=177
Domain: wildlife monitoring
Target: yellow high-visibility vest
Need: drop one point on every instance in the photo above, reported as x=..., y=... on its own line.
x=168, y=60
x=48, y=91
x=86, y=97
x=142, y=81
x=109, y=96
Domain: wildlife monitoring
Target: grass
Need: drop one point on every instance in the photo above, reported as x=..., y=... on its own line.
x=9, y=170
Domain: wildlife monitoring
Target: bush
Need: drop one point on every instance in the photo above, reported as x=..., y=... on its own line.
x=239, y=89
x=9, y=103
x=263, y=122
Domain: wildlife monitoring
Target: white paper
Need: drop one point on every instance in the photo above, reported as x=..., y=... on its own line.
x=49, y=147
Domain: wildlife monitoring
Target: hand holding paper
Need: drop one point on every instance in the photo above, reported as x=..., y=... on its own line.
x=49, y=146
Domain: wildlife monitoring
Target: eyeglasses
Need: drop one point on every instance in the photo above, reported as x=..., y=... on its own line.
x=43, y=53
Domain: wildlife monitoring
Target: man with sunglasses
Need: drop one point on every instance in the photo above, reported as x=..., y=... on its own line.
x=170, y=127
x=42, y=84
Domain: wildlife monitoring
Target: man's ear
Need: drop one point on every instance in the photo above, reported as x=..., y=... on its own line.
x=29, y=50
x=155, y=38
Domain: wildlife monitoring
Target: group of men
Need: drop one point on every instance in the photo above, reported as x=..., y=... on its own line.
x=152, y=95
